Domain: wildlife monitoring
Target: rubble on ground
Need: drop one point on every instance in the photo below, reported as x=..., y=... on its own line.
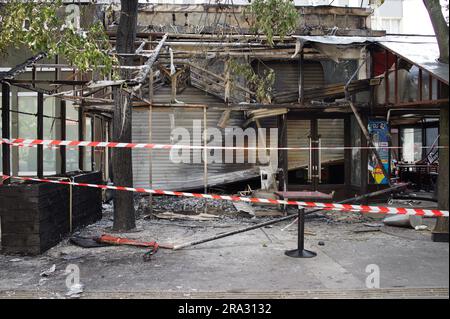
x=164, y=203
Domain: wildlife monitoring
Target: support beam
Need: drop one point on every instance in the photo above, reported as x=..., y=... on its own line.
x=430, y=86
x=386, y=76
x=40, y=135
x=20, y=68
x=347, y=152
x=62, y=149
x=282, y=154
x=6, y=148
x=81, y=126
x=396, y=96
x=420, y=97
x=150, y=138
x=301, y=79
x=14, y=122
x=227, y=81
x=142, y=76
x=205, y=151
x=173, y=87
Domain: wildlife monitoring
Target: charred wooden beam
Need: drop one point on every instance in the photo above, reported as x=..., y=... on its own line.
x=6, y=133
x=20, y=68
x=62, y=149
x=40, y=135
x=144, y=72
x=56, y=82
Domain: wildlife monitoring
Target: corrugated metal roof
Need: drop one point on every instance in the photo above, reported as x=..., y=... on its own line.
x=422, y=51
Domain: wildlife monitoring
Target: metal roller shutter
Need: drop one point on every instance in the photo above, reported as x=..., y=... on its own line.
x=287, y=74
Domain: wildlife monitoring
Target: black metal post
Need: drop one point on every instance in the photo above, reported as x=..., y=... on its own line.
x=62, y=149
x=81, y=150
x=300, y=252
x=40, y=135
x=6, y=133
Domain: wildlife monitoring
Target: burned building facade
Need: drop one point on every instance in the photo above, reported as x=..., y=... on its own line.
x=354, y=109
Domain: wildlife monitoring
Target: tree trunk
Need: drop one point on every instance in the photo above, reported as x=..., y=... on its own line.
x=440, y=232
x=124, y=215
x=440, y=27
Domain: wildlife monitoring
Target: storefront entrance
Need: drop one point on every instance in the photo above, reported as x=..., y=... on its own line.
x=322, y=166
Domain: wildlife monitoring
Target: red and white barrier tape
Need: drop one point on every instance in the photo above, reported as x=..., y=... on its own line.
x=27, y=142
x=324, y=206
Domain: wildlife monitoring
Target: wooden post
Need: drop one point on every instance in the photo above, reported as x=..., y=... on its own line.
x=205, y=155
x=282, y=154
x=347, y=152
x=396, y=98
x=364, y=161
x=62, y=149
x=62, y=124
x=14, y=133
x=33, y=76
x=373, y=99
x=386, y=76
x=81, y=127
x=315, y=173
x=301, y=80
x=150, y=127
x=420, y=84
x=93, y=138
x=430, y=86
x=40, y=134
x=6, y=133
x=227, y=80
x=173, y=95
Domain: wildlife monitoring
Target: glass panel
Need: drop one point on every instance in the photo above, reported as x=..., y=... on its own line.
x=27, y=129
x=88, y=150
x=298, y=132
x=411, y=139
x=50, y=128
x=71, y=135
x=432, y=138
x=331, y=135
x=431, y=153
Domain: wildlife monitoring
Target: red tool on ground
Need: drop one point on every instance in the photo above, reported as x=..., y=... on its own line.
x=108, y=239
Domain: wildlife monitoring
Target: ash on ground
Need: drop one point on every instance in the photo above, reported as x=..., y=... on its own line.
x=184, y=205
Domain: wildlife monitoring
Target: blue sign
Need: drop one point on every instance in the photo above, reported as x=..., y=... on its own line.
x=379, y=131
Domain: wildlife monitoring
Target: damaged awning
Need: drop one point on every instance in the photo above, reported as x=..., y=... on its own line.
x=422, y=51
